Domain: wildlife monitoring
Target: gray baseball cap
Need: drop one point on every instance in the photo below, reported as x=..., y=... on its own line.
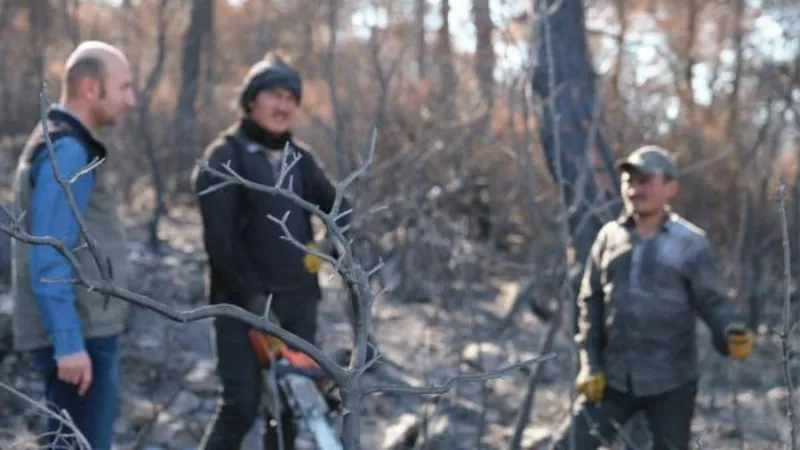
x=650, y=159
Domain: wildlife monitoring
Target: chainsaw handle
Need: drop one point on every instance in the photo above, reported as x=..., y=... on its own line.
x=265, y=347
x=269, y=348
x=309, y=372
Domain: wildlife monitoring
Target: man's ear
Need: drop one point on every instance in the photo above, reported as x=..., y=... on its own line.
x=672, y=187
x=251, y=104
x=91, y=88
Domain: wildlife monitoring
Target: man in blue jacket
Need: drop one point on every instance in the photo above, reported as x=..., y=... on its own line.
x=70, y=331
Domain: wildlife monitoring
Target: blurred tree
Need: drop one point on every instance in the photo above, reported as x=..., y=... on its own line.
x=571, y=127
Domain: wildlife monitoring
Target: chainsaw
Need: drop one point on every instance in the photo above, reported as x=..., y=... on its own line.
x=301, y=385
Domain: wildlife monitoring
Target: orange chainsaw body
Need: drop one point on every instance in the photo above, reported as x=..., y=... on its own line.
x=268, y=348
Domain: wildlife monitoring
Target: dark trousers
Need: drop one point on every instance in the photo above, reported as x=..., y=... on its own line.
x=669, y=416
x=241, y=377
x=93, y=413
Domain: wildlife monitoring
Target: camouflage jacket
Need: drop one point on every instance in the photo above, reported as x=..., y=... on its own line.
x=638, y=302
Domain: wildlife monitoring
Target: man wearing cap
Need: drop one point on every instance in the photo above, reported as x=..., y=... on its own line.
x=649, y=275
x=248, y=255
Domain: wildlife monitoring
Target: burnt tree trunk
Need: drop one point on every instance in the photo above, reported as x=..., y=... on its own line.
x=446, y=70
x=484, y=56
x=570, y=80
x=420, y=10
x=69, y=15
x=7, y=12
x=571, y=134
x=194, y=41
x=38, y=19
x=145, y=96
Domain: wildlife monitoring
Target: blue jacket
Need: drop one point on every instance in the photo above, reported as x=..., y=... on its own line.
x=51, y=215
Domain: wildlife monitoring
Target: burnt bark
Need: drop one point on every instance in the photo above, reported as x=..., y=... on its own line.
x=571, y=81
x=420, y=9
x=143, y=113
x=195, y=41
x=484, y=51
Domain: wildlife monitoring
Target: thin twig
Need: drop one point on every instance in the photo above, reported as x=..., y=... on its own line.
x=349, y=266
x=64, y=419
x=348, y=379
x=526, y=408
x=785, y=346
x=565, y=211
x=65, y=186
x=447, y=385
x=203, y=312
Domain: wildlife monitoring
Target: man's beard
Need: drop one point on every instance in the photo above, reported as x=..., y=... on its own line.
x=632, y=210
x=101, y=118
x=107, y=120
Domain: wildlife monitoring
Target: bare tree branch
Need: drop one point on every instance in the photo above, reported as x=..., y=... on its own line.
x=262, y=323
x=787, y=317
x=452, y=381
x=102, y=266
x=73, y=432
x=525, y=412
x=348, y=264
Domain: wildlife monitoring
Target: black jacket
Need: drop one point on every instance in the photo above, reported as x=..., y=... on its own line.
x=247, y=251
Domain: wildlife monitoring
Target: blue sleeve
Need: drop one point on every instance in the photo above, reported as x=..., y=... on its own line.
x=51, y=215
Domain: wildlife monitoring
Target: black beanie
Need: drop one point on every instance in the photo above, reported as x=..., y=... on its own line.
x=269, y=74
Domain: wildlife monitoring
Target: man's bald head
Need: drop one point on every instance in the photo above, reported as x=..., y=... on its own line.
x=91, y=59
x=98, y=84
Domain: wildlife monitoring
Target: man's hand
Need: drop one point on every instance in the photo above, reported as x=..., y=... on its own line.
x=740, y=341
x=76, y=369
x=592, y=386
x=312, y=262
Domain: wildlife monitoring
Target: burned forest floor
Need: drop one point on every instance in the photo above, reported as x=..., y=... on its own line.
x=168, y=382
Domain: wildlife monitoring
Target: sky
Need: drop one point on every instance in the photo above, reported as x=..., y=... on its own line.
x=767, y=36
x=461, y=26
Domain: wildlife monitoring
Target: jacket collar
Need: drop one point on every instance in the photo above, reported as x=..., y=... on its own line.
x=626, y=219
x=252, y=146
x=59, y=114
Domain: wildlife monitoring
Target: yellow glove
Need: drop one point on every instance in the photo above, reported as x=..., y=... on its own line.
x=312, y=262
x=592, y=386
x=740, y=342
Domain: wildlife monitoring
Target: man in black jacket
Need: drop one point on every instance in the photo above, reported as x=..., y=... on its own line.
x=248, y=257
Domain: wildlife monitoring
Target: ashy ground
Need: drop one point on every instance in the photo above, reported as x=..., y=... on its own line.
x=169, y=385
